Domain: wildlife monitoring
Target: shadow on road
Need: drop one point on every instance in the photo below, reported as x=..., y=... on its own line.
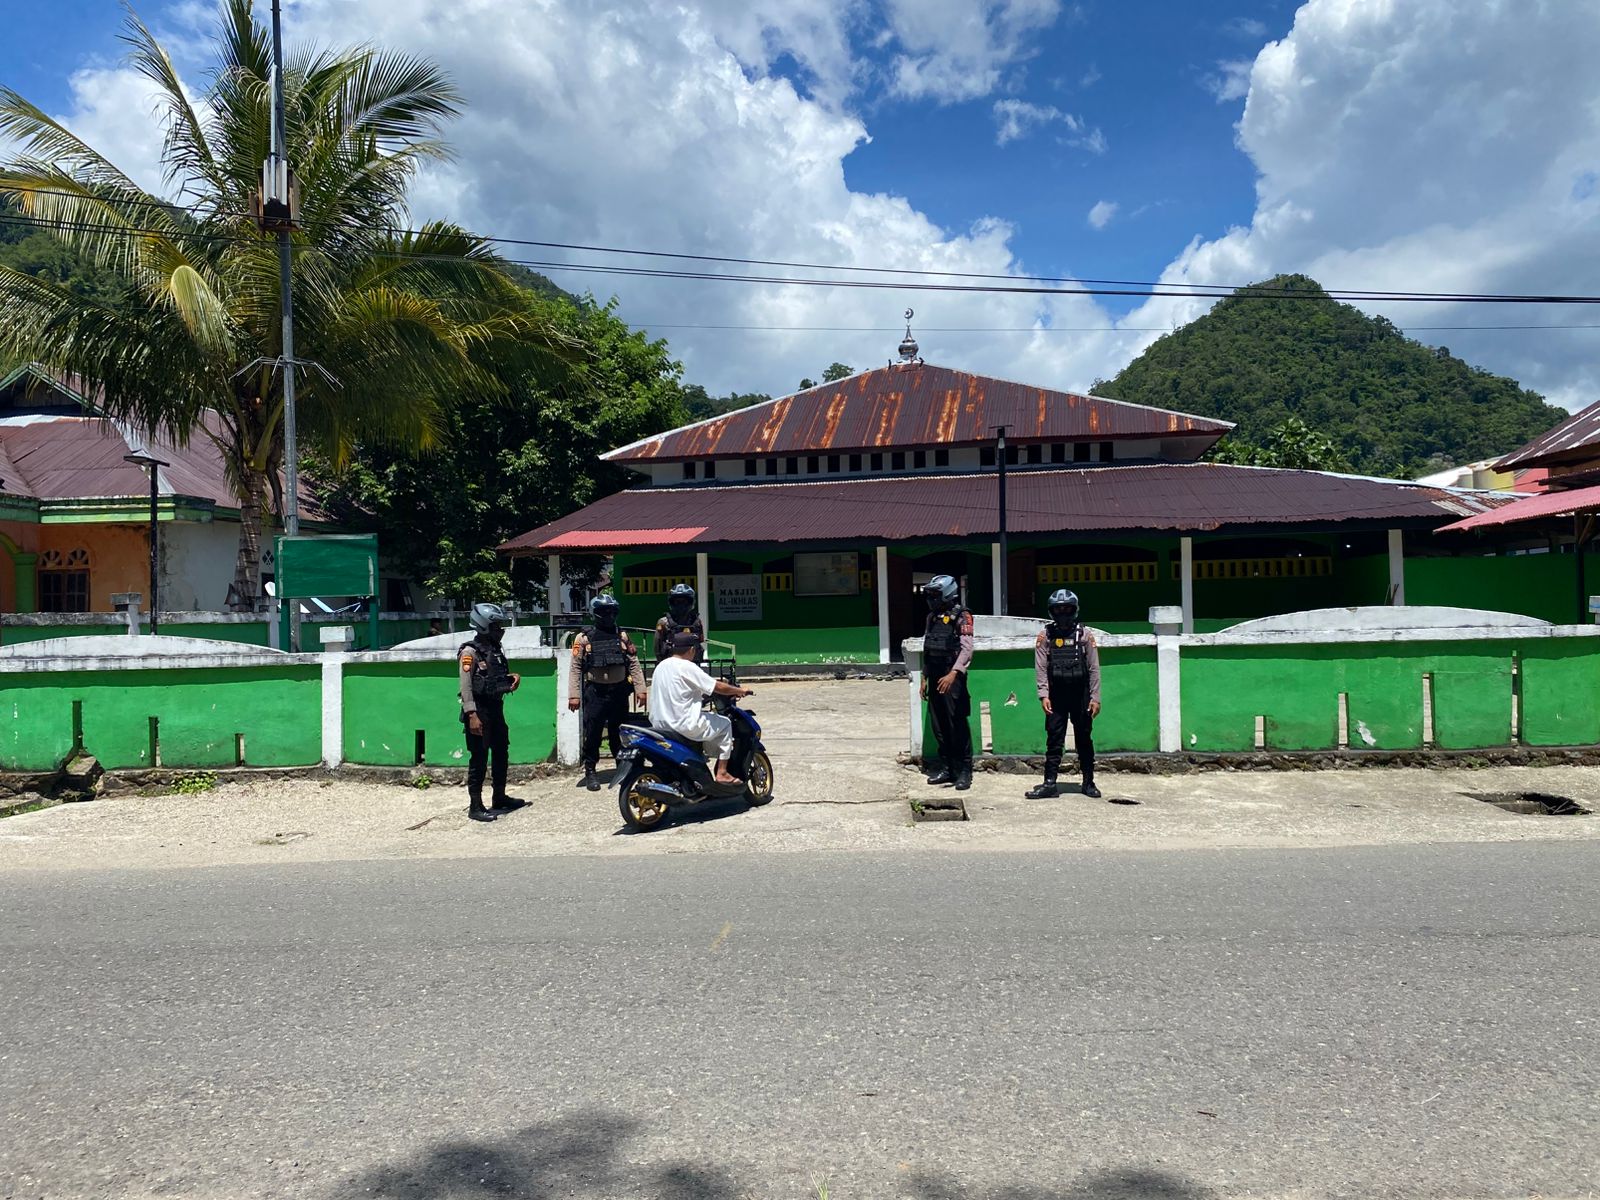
x=1124, y=1184
x=578, y=1155
x=585, y=1154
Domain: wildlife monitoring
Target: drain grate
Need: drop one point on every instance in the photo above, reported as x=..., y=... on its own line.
x=1533, y=804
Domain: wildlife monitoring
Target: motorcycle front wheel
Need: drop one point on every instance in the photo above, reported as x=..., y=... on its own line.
x=640, y=810
x=758, y=779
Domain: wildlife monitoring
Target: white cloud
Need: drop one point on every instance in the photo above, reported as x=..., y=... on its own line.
x=1100, y=215
x=1247, y=28
x=1230, y=81
x=1016, y=119
x=1429, y=146
x=114, y=110
x=953, y=50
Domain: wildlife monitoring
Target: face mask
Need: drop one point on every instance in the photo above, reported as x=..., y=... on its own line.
x=494, y=634
x=605, y=619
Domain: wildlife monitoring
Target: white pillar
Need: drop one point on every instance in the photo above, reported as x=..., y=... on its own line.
x=1186, y=574
x=995, y=567
x=569, y=731
x=558, y=603
x=1397, y=567
x=332, y=709
x=1169, y=700
x=881, y=580
x=914, y=673
x=702, y=589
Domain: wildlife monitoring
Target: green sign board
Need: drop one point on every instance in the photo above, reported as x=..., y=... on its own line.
x=337, y=565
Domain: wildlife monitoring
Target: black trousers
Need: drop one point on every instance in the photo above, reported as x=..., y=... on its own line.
x=1069, y=703
x=948, y=715
x=496, y=740
x=605, y=710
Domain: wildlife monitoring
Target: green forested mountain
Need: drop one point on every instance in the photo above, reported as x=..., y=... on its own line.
x=1391, y=405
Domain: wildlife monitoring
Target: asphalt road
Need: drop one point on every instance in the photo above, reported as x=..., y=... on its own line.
x=1406, y=1021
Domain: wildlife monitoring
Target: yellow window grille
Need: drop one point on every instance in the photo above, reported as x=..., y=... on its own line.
x=653, y=585
x=1123, y=572
x=1291, y=567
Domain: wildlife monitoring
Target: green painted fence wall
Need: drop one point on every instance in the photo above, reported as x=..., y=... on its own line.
x=1129, y=715
x=198, y=712
x=1560, y=692
x=1296, y=689
x=250, y=633
x=386, y=704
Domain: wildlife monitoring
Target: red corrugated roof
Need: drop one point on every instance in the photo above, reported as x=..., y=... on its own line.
x=1177, y=497
x=1568, y=440
x=1550, y=504
x=915, y=404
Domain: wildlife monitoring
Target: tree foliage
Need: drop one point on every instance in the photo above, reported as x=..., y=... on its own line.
x=1387, y=404
x=1293, y=445
x=509, y=463
x=188, y=338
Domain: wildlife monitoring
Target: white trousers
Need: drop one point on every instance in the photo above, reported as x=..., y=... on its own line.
x=714, y=732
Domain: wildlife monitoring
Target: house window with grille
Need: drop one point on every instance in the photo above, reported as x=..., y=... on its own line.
x=64, y=581
x=688, y=470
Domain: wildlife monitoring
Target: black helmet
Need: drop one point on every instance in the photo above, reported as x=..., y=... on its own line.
x=1064, y=606
x=680, y=601
x=940, y=592
x=604, y=608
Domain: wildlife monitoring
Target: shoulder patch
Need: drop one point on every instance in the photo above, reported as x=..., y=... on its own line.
x=466, y=660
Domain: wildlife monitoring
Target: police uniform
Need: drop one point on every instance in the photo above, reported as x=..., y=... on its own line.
x=669, y=627
x=947, y=647
x=485, y=681
x=1066, y=665
x=606, y=673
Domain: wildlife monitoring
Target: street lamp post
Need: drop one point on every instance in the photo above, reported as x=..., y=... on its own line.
x=143, y=458
x=1005, y=557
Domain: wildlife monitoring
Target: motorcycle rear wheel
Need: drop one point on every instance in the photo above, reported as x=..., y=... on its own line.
x=758, y=779
x=640, y=810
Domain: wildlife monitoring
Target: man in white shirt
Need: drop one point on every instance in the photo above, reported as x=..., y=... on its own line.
x=678, y=689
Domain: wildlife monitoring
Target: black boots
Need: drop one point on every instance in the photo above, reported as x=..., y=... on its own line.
x=1045, y=791
x=505, y=804
x=1090, y=790
x=590, y=780
x=963, y=779
x=477, y=812
x=941, y=777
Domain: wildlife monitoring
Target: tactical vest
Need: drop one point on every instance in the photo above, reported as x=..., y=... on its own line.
x=491, y=673
x=605, y=649
x=1069, y=660
x=693, y=625
x=942, y=641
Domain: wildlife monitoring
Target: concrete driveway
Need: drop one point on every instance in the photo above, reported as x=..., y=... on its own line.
x=840, y=787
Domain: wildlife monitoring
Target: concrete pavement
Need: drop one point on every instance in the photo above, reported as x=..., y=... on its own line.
x=1382, y=1021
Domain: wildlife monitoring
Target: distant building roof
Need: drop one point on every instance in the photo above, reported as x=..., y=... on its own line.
x=1574, y=440
x=1169, y=497
x=53, y=448
x=1532, y=508
x=916, y=405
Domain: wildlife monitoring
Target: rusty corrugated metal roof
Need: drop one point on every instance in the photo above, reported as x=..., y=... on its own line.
x=1579, y=432
x=1532, y=508
x=1176, y=497
x=914, y=404
x=82, y=458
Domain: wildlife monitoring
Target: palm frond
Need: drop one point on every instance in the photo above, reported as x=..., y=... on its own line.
x=186, y=154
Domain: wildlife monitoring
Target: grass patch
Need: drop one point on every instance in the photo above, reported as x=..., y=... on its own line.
x=195, y=783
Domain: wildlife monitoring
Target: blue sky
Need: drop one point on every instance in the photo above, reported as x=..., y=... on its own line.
x=1418, y=145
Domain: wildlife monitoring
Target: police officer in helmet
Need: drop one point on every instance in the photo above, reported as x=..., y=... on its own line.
x=1066, y=668
x=681, y=615
x=486, y=681
x=946, y=655
x=605, y=675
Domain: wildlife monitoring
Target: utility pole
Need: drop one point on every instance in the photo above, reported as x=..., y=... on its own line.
x=1005, y=556
x=276, y=194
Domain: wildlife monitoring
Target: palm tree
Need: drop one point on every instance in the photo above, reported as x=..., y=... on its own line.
x=397, y=321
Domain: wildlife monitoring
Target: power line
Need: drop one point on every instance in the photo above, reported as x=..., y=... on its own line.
x=1029, y=328
x=1020, y=287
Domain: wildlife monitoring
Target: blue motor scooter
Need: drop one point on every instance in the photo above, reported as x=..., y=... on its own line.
x=661, y=771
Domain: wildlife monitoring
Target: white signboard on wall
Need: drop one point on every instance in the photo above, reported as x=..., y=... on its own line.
x=827, y=574
x=737, y=597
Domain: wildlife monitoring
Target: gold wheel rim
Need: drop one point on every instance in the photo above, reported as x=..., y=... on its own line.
x=760, y=768
x=645, y=809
